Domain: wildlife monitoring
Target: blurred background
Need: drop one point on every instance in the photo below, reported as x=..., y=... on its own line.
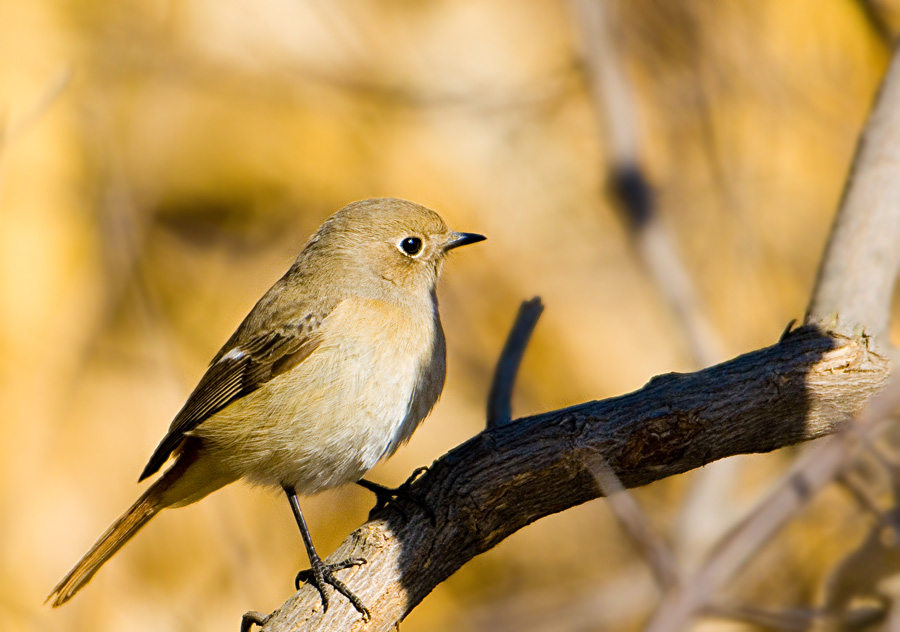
x=161, y=163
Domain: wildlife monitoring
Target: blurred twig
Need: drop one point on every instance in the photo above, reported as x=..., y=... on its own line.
x=16, y=126
x=499, y=408
x=860, y=575
x=873, y=15
x=636, y=525
x=860, y=493
x=617, y=115
x=871, y=571
x=615, y=106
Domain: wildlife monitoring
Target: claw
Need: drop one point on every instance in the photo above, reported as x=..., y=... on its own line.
x=385, y=496
x=321, y=574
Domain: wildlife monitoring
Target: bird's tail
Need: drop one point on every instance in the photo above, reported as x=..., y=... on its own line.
x=147, y=506
x=180, y=485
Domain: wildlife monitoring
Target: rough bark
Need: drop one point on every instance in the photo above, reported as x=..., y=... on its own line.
x=805, y=386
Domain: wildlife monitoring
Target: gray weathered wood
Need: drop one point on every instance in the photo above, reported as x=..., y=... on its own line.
x=859, y=270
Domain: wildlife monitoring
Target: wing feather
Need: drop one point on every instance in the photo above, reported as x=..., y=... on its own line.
x=238, y=369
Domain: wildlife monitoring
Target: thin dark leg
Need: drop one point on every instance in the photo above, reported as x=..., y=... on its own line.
x=320, y=573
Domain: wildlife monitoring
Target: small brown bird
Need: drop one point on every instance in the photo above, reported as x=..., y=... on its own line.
x=332, y=370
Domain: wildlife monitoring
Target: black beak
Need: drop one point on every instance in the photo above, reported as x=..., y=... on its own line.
x=462, y=239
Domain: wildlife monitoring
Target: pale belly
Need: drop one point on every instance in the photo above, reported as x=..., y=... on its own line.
x=330, y=419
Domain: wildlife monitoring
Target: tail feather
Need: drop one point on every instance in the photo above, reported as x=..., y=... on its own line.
x=172, y=489
x=115, y=537
x=188, y=480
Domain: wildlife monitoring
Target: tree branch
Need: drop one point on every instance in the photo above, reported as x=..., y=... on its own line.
x=614, y=98
x=804, y=387
x=499, y=408
x=859, y=270
x=852, y=295
x=812, y=472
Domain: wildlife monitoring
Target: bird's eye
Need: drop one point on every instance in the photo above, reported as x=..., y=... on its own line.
x=411, y=246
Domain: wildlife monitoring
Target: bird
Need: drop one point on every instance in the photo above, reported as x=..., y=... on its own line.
x=332, y=370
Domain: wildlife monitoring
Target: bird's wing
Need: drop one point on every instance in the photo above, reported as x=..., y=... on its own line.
x=238, y=369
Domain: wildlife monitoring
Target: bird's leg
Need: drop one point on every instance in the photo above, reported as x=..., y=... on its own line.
x=385, y=496
x=319, y=572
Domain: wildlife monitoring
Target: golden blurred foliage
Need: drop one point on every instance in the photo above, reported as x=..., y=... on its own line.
x=162, y=162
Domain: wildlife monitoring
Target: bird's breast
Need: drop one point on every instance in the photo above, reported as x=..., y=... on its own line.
x=375, y=375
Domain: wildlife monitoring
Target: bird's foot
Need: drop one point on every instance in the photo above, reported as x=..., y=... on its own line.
x=321, y=574
x=385, y=496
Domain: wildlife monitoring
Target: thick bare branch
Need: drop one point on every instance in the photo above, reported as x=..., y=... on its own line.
x=811, y=473
x=484, y=490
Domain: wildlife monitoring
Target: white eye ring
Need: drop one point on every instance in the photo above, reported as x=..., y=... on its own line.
x=410, y=246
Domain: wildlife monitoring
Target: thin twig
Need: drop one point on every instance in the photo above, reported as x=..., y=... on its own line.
x=51, y=92
x=634, y=522
x=801, y=619
x=615, y=101
x=499, y=404
x=613, y=97
x=873, y=16
x=860, y=493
